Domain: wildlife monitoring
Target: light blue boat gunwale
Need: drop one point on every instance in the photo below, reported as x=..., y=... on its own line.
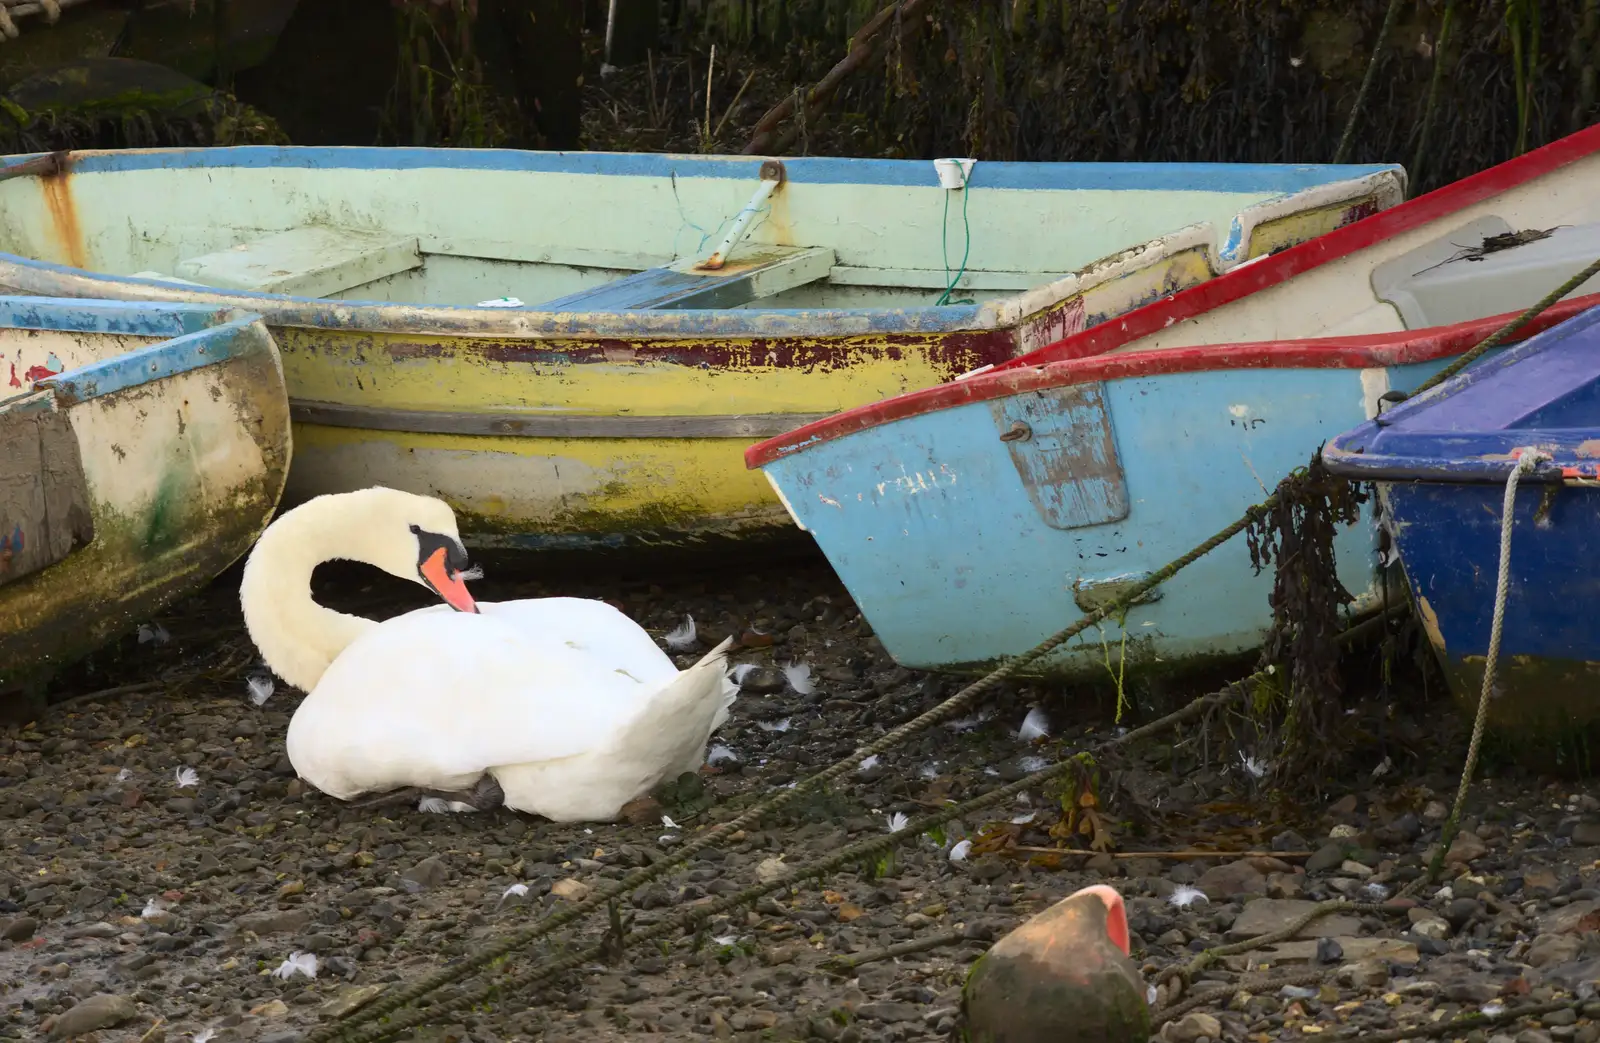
x=198, y=336
x=943, y=545
x=529, y=322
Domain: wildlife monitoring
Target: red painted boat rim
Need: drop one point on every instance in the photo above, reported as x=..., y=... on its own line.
x=1368, y=351
x=1273, y=269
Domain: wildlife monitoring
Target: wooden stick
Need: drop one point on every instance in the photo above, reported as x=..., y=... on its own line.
x=723, y=122
x=863, y=46
x=841, y=964
x=1180, y=855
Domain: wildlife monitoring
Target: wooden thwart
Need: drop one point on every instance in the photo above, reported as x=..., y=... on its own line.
x=310, y=261
x=760, y=271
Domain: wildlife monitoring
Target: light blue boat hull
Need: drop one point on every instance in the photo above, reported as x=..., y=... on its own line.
x=949, y=554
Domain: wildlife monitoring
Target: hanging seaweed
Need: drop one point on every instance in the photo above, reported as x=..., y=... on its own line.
x=1295, y=537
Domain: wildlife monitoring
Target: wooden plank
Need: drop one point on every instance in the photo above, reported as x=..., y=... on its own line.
x=760, y=272
x=1063, y=448
x=44, y=498
x=310, y=261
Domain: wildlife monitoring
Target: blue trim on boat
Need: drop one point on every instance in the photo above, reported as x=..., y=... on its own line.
x=146, y=365
x=1203, y=177
x=134, y=318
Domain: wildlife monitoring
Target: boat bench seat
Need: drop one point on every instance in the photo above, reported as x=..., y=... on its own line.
x=756, y=272
x=309, y=261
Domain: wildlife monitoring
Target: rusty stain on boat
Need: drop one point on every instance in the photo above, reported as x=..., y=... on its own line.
x=57, y=189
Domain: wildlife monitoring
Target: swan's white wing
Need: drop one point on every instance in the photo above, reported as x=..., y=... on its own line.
x=435, y=694
x=594, y=629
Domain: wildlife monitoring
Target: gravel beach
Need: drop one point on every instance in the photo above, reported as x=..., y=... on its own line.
x=166, y=875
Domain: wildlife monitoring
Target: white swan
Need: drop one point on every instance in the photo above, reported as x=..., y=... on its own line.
x=567, y=703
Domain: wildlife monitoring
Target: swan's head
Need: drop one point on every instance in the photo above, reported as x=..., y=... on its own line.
x=415, y=537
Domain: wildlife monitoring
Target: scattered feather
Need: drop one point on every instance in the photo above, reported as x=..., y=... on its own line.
x=440, y=806
x=799, y=677
x=898, y=821
x=1383, y=769
x=720, y=754
x=1297, y=992
x=1375, y=891
x=868, y=764
x=959, y=852
x=149, y=632
x=514, y=891
x=726, y=939
x=154, y=908
x=1033, y=764
x=1034, y=726
x=468, y=575
x=742, y=671
x=667, y=823
x=261, y=689
x=681, y=637
x=1252, y=767
x=1183, y=897
x=966, y=724
x=1023, y=820
x=929, y=771
x=774, y=726
x=1492, y=1008
x=297, y=963
x=205, y=1036
x=125, y=774
x=1150, y=995
x=185, y=777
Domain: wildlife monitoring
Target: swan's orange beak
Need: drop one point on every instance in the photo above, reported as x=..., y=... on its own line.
x=446, y=583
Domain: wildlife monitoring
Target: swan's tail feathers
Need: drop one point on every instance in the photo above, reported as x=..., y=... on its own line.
x=679, y=719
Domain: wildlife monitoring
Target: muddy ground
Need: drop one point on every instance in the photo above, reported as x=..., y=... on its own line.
x=140, y=901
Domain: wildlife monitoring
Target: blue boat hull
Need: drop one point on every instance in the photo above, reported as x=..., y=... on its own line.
x=1448, y=536
x=961, y=548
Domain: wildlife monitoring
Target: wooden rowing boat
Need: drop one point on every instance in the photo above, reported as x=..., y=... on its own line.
x=146, y=447
x=972, y=520
x=573, y=349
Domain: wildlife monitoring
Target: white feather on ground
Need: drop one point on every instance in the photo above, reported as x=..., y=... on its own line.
x=799, y=677
x=1034, y=726
x=261, y=689
x=681, y=637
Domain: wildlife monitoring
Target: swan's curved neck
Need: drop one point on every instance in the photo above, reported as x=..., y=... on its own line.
x=297, y=637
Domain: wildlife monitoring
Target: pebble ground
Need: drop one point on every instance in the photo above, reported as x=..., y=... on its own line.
x=163, y=866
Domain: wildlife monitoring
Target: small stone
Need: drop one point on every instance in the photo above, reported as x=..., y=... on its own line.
x=1364, y=974
x=95, y=1013
x=1466, y=848
x=571, y=889
x=1586, y=833
x=1435, y=812
x=1192, y=1027
x=349, y=999
x=430, y=872
x=1329, y=950
x=1328, y=856
x=1269, y=915
x=1232, y=879
x=642, y=811
x=1553, y=948
x=1431, y=927
x=888, y=1011
x=20, y=929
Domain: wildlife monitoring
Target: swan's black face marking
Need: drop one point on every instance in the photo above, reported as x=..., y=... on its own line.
x=442, y=563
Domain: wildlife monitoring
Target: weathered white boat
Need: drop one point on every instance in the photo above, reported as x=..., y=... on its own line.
x=676, y=306
x=146, y=447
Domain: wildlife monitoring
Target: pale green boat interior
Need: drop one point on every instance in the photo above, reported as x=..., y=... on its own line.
x=461, y=227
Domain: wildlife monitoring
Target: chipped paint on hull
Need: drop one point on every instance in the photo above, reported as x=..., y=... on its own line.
x=182, y=472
